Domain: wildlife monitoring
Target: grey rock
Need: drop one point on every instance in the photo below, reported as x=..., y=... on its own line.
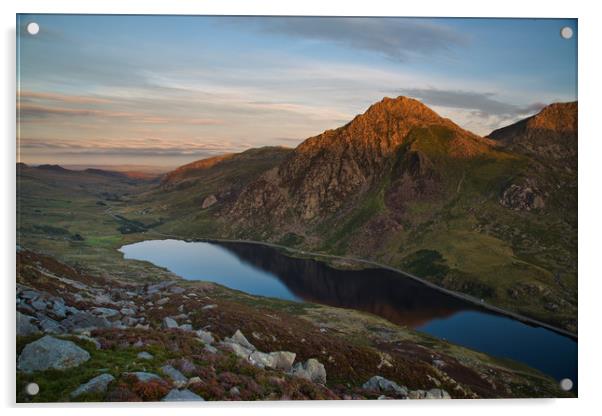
x=169, y=323
x=209, y=201
x=58, y=308
x=283, y=360
x=240, y=339
x=186, y=366
x=205, y=336
x=185, y=395
x=49, y=352
x=234, y=391
x=437, y=394
x=25, y=325
x=107, y=313
x=211, y=349
x=144, y=376
x=429, y=394
x=439, y=363
x=159, y=287
x=81, y=321
x=279, y=360
x=186, y=327
x=145, y=355
x=381, y=384
x=29, y=294
x=237, y=349
x=129, y=321
x=50, y=326
x=162, y=301
x=177, y=290
x=128, y=311
x=102, y=299
x=261, y=359
x=39, y=304
x=179, y=379
x=311, y=370
x=206, y=307
x=98, y=384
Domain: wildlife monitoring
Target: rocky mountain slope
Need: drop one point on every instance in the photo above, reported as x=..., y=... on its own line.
x=491, y=217
x=84, y=338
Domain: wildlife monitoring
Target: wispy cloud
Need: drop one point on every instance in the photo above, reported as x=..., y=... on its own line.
x=397, y=39
x=135, y=146
x=26, y=96
x=482, y=103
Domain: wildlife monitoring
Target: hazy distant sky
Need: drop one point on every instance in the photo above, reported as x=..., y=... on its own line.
x=166, y=90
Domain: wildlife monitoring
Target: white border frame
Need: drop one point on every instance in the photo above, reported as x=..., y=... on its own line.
x=590, y=151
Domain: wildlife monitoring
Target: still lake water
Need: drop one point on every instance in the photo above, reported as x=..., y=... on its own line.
x=261, y=270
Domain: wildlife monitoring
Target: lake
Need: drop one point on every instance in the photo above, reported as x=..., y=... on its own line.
x=265, y=271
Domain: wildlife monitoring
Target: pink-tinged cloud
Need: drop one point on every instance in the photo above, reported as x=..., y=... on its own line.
x=78, y=99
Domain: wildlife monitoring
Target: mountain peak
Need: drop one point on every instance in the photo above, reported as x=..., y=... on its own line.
x=402, y=108
x=556, y=118
x=551, y=135
x=559, y=117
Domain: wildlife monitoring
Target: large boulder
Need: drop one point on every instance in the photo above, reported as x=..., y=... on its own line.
x=283, y=360
x=311, y=370
x=383, y=385
x=98, y=384
x=185, y=395
x=25, y=325
x=49, y=352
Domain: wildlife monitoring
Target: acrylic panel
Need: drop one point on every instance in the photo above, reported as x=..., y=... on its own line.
x=220, y=208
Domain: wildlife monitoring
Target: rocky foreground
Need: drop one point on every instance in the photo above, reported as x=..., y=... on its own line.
x=86, y=339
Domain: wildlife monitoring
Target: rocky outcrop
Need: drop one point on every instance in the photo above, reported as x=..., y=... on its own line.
x=240, y=345
x=311, y=370
x=326, y=172
x=523, y=197
x=98, y=384
x=49, y=352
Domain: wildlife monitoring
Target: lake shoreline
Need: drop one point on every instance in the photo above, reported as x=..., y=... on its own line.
x=462, y=296
x=521, y=318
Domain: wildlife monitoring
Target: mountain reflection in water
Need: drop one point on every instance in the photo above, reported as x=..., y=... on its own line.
x=397, y=298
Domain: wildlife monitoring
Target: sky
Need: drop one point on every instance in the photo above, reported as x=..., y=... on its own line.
x=167, y=90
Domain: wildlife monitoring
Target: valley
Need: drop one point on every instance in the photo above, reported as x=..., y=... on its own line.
x=490, y=218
